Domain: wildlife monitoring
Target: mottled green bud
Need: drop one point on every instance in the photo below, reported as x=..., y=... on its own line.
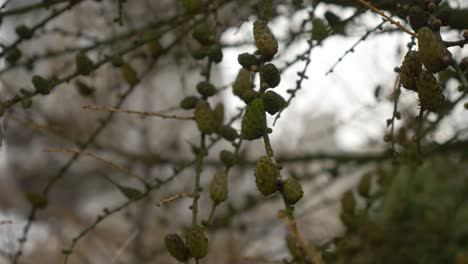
x=189, y=102
x=197, y=242
x=218, y=114
x=273, y=102
x=242, y=86
x=265, y=41
x=228, y=132
x=204, y=33
x=266, y=176
x=253, y=124
x=204, y=117
x=434, y=54
x=219, y=187
x=247, y=60
x=215, y=52
x=292, y=191
x=206, y=89
x=429, y=92
x=177, y=247
x=271, y=75
x=410, y=69
x=228, y=158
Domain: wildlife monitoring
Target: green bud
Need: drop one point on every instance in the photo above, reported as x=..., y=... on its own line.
x=204, y=34
x=273, y=102
x=266, y=176
x=348, y=203
x=292, y=191
x=417, y=18
x=204, y=117
x=206, y=89
x=218, y=114
x=432, y=49
x=429, y=92
x=265, y=41
x=215, y=52
x=177, y=247
x=228, y=158
x=155, y=49
x=410, y=69
x=271, y=75
x=200, y=53
x=247, y=60
x=189, y=102
x=228, y=133
x=253, y=124
x=219, y=187
x=197, y=242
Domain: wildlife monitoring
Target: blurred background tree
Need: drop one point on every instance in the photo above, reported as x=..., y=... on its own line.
x=232, y=131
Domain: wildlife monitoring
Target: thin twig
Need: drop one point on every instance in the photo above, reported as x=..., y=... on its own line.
x=94, y=156
x=175, y=197
x=391, y=20
x=142, y=113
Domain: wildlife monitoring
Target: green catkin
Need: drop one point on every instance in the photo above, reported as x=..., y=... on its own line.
x=273, y=102
x=432, y=49
x=228, y=158
x=242, y=86
x=228, y=133
x=265, y=41
x=204, y=117
x=266, y=176
x=177, y=247
x=253, y=124
x=292, y=191
x=270, y=74
x=410, y=69
x=218, y=114
x=247, y=60
x=429, y=92
x=189, y=102
x=84, y=65
x=197, y=242
x=219, y=187
x=206, y=89
x=129, y=74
